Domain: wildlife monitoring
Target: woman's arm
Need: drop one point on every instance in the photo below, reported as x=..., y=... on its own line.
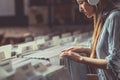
x=99, y=63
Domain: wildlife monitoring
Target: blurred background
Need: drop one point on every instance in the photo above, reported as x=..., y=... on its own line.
x=40, y=17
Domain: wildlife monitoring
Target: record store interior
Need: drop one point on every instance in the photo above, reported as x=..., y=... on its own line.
x=32, y=35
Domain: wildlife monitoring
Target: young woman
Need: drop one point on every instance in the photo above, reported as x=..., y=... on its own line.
x=105, y=51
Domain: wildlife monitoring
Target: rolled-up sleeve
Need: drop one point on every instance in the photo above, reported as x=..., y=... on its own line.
x=113, y=28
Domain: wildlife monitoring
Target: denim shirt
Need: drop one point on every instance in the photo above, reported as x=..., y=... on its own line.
x=108, y=47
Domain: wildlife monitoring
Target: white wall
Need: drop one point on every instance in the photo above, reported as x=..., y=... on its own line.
x=7, y=8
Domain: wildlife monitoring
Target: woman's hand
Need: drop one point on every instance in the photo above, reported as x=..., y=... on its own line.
x=100, y=63
x=72, y=55
x=78, y=50
x=74, y=49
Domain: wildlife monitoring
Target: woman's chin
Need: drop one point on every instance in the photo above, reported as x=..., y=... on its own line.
x=89, y=16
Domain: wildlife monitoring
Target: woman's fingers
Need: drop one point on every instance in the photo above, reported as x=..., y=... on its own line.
x=72, y=55
x=65, y=52
x=70, y=49
x=67, y=49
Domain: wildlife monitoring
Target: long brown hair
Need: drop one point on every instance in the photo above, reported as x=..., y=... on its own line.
x=102, y=6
